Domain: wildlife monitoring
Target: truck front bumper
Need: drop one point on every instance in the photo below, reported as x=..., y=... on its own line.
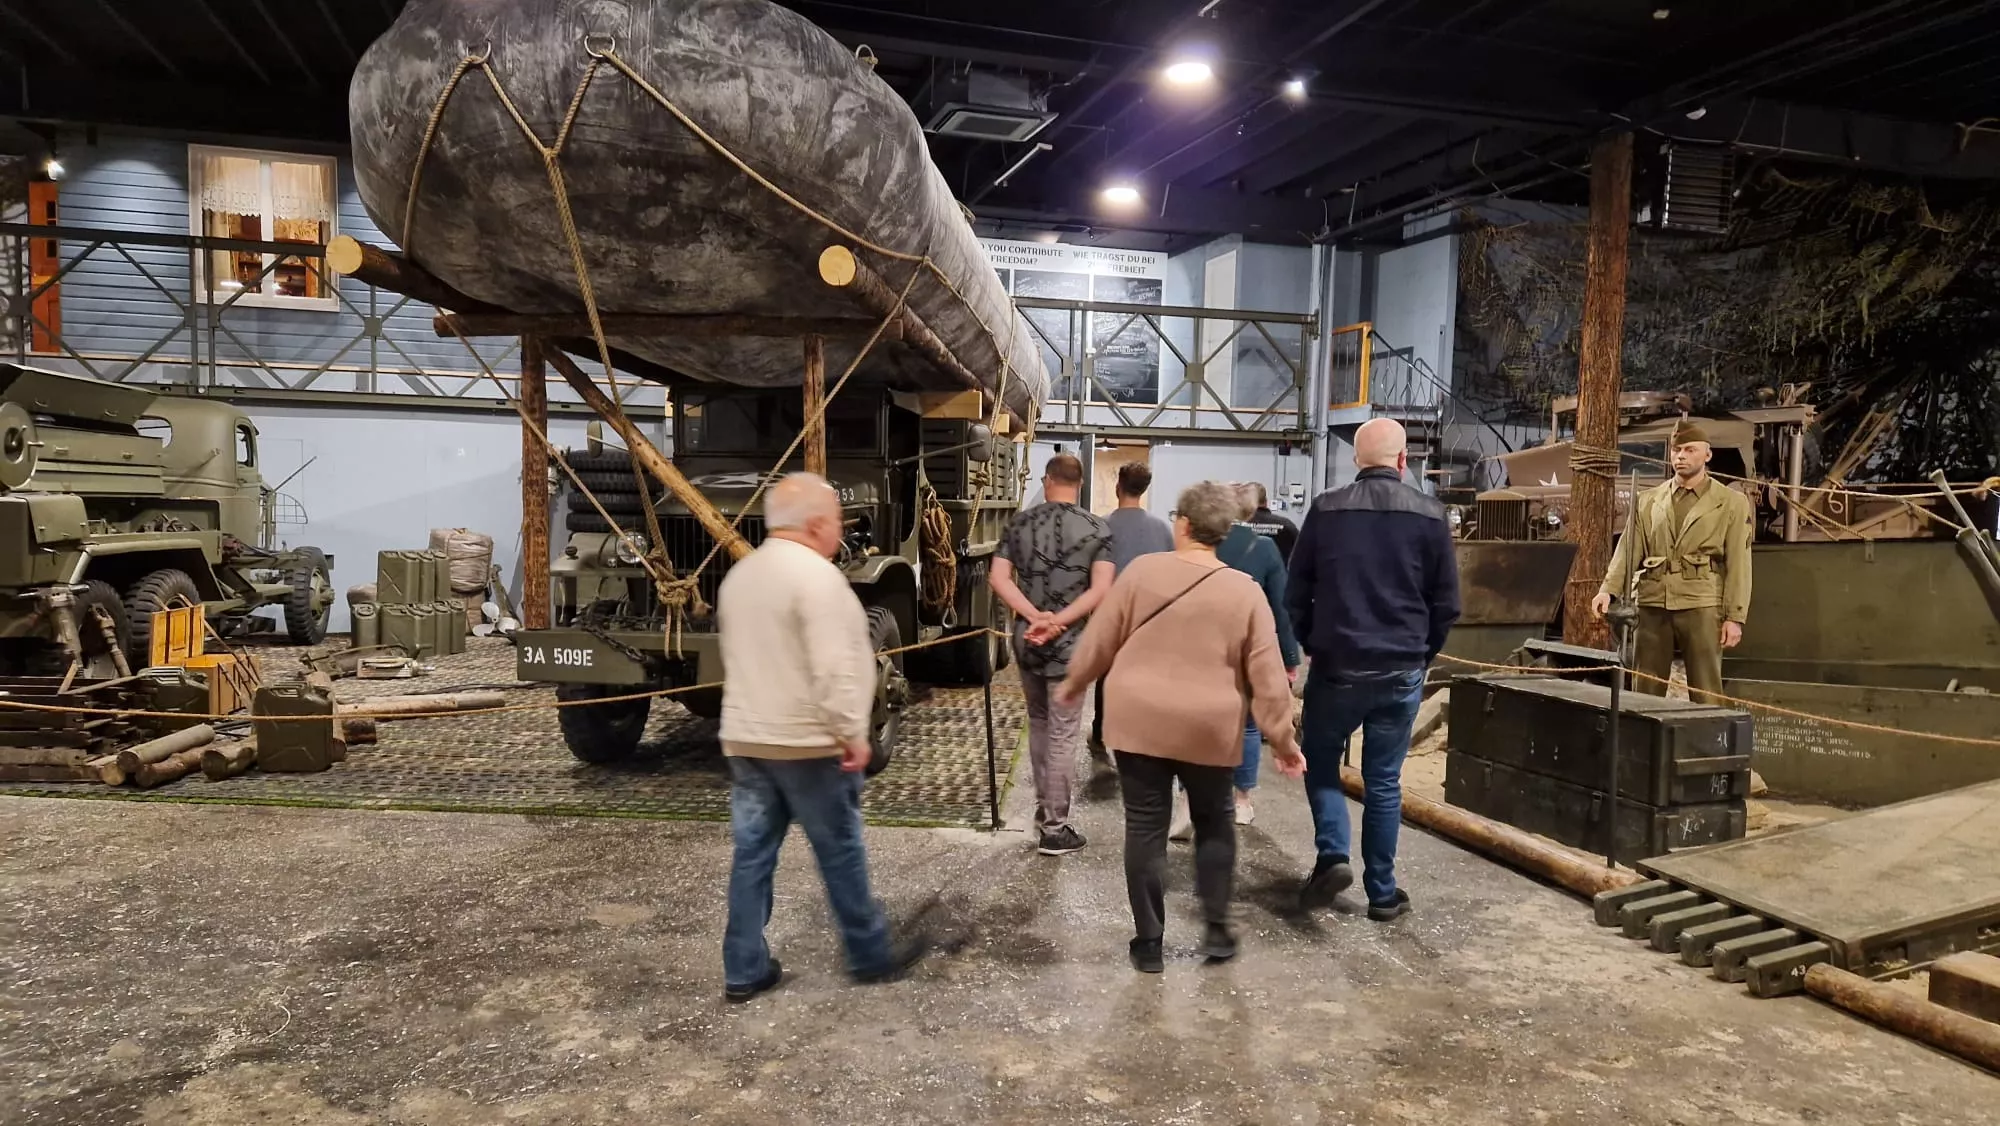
x=622, y=657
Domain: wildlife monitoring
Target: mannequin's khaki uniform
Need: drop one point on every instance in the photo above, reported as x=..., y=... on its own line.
x=1694, y=548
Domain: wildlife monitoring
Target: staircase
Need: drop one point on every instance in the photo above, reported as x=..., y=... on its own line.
x=1404, y=386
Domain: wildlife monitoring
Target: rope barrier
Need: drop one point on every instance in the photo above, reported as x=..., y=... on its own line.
x=1747, y=705
x=63, y=709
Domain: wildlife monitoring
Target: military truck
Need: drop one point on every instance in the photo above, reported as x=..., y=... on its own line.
x=926, y=493
x=117, y=502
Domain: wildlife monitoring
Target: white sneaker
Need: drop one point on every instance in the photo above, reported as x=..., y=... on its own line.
x=1245, y=812
x=1182, y=828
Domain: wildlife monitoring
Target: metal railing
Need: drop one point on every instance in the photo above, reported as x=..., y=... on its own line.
x=1140, y=366
x=1112, y=365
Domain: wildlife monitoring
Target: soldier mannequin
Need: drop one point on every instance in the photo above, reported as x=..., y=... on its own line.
x=1691, y=536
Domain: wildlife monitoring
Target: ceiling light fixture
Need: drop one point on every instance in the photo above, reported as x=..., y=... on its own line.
x=1295, y=89
x=1662, y=13
x=1188, y=72
x=52, y=168
x=1697, y=113
x=1121, y=195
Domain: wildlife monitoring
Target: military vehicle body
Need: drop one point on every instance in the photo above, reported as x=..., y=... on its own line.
x=885, y=457
x=117, y=502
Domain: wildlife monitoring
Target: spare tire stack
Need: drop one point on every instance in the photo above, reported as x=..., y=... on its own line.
x=608, y=476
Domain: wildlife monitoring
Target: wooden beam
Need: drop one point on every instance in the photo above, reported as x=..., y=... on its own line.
x=384, y=269
x=814, y=387
x=649, y=456
x=1593, y=497
x=534, y=485
x=693, y=325
x=839, y=268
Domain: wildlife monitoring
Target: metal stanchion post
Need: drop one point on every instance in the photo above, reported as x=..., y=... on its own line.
x=1622, y=618
x=992, y=766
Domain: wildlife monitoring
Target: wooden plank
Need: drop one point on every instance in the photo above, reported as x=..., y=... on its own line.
x=1968, y=982
x=814, y=389
x=27, y=754
x=535, y=598
x=78, y=773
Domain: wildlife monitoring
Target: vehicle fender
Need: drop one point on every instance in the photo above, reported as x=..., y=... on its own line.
x=889, y=581
x=122, y=564
x=55, y=518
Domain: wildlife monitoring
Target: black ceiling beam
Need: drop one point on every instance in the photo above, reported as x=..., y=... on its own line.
x=235, y=44
x=1306, y=157
x=935, y=48
x=15, y=17
x=71, y=97
x=141, y=38
x=1208, y=167
x=1178, y=209
x=1853, y=140
x=339, y=33
x=291, y=48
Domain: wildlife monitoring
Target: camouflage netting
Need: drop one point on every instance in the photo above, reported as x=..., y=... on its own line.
x=1885, y=296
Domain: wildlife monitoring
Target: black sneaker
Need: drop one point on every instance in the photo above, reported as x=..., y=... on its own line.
x=737, y=994
x=1331, y=876
x=901, y=960
x=1061, y=842
x=1219, y=944
x=1394, y=909
x=1146, y=956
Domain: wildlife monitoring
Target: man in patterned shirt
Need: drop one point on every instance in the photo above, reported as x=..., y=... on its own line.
x=1053, y=567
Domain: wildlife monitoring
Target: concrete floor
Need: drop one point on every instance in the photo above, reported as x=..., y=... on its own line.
x=188, y=964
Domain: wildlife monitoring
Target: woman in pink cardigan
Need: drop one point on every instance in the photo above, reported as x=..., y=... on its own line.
x=1202, y=652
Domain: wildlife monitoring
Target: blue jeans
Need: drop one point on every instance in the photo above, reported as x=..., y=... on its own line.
x=765, y=797
x=1383, y=706
x=1253, y=752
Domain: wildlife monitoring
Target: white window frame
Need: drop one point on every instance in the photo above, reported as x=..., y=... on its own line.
x=328, y=304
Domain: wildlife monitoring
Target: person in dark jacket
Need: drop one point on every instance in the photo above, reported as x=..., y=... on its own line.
x=1250, y=551
x=1374, y=587
x=1269, y=524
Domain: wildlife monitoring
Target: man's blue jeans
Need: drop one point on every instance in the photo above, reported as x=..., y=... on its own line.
x=765, y=797
x=1383, y=706
x=1253, y=753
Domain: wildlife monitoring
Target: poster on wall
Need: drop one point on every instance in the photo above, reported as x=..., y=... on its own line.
x=1126, y=349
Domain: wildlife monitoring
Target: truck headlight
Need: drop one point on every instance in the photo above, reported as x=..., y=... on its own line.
x=628, y=551
x=1554, y=519
x=1455, y=516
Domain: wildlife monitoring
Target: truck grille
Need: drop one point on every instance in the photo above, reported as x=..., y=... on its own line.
x=688, y=543
x=1502, y=520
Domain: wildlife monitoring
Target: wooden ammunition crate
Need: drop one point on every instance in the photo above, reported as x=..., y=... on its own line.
x=1579, y=816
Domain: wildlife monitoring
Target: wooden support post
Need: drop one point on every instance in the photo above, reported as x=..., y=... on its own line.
x=649, y=456
x=839, y=268
x=534, y=486
x=386, y=269
x=700, y=326
x=1593, y=497
x=815, y=404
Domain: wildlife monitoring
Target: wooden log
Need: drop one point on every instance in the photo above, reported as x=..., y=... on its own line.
x=108, y=770
x=838, y=267
x=703, y=326
x=534, y=485
x=1504, y=843
x=1968, y=982
x=168, y=769
x=1969, y=1038
x=649, y=456
x=386, y=269
x=218, y=763
x=814, y=387
x=358, y=731
x=394, y=707
x=1594, y=498
x=132, y=759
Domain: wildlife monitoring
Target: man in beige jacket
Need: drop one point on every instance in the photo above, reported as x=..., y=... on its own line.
x=798, y=687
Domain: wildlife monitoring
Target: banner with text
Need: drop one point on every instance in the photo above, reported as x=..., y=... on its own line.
x=1126, y=349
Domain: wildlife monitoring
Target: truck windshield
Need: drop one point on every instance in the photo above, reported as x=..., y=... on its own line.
x=751, y=424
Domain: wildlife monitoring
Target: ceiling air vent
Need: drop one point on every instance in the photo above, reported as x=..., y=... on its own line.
x=1692, y=190
x=986, y=106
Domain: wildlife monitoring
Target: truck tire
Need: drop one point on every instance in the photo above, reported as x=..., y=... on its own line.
x=162, y=590
x=614, y=502
x=610, y=461
x=592, y=522
x=601, y=481
x=884, y=633
x=312, y=582
x=601, y=734
x=705, y=703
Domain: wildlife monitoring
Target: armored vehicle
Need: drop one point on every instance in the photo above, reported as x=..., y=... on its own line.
x=926, y=494
x=117, y=502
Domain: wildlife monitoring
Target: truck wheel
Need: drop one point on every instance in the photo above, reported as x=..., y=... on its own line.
x=97, y=661
x=310, y=605
x=705, y=703
x=602, y=733
x=884, y=633
x=610, y=461
x=162, y=590
x=601, y=481
x=615, y=502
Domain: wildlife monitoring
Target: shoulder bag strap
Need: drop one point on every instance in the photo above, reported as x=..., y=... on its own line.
x=1162, y=608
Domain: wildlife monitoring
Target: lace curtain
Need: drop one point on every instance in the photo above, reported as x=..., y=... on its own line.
x=235, y=184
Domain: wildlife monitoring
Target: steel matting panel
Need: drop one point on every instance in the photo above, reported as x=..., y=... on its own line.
x=515, y=762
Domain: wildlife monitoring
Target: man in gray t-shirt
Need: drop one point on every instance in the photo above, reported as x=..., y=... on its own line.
x=1053, y=568
x=1134, y=532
